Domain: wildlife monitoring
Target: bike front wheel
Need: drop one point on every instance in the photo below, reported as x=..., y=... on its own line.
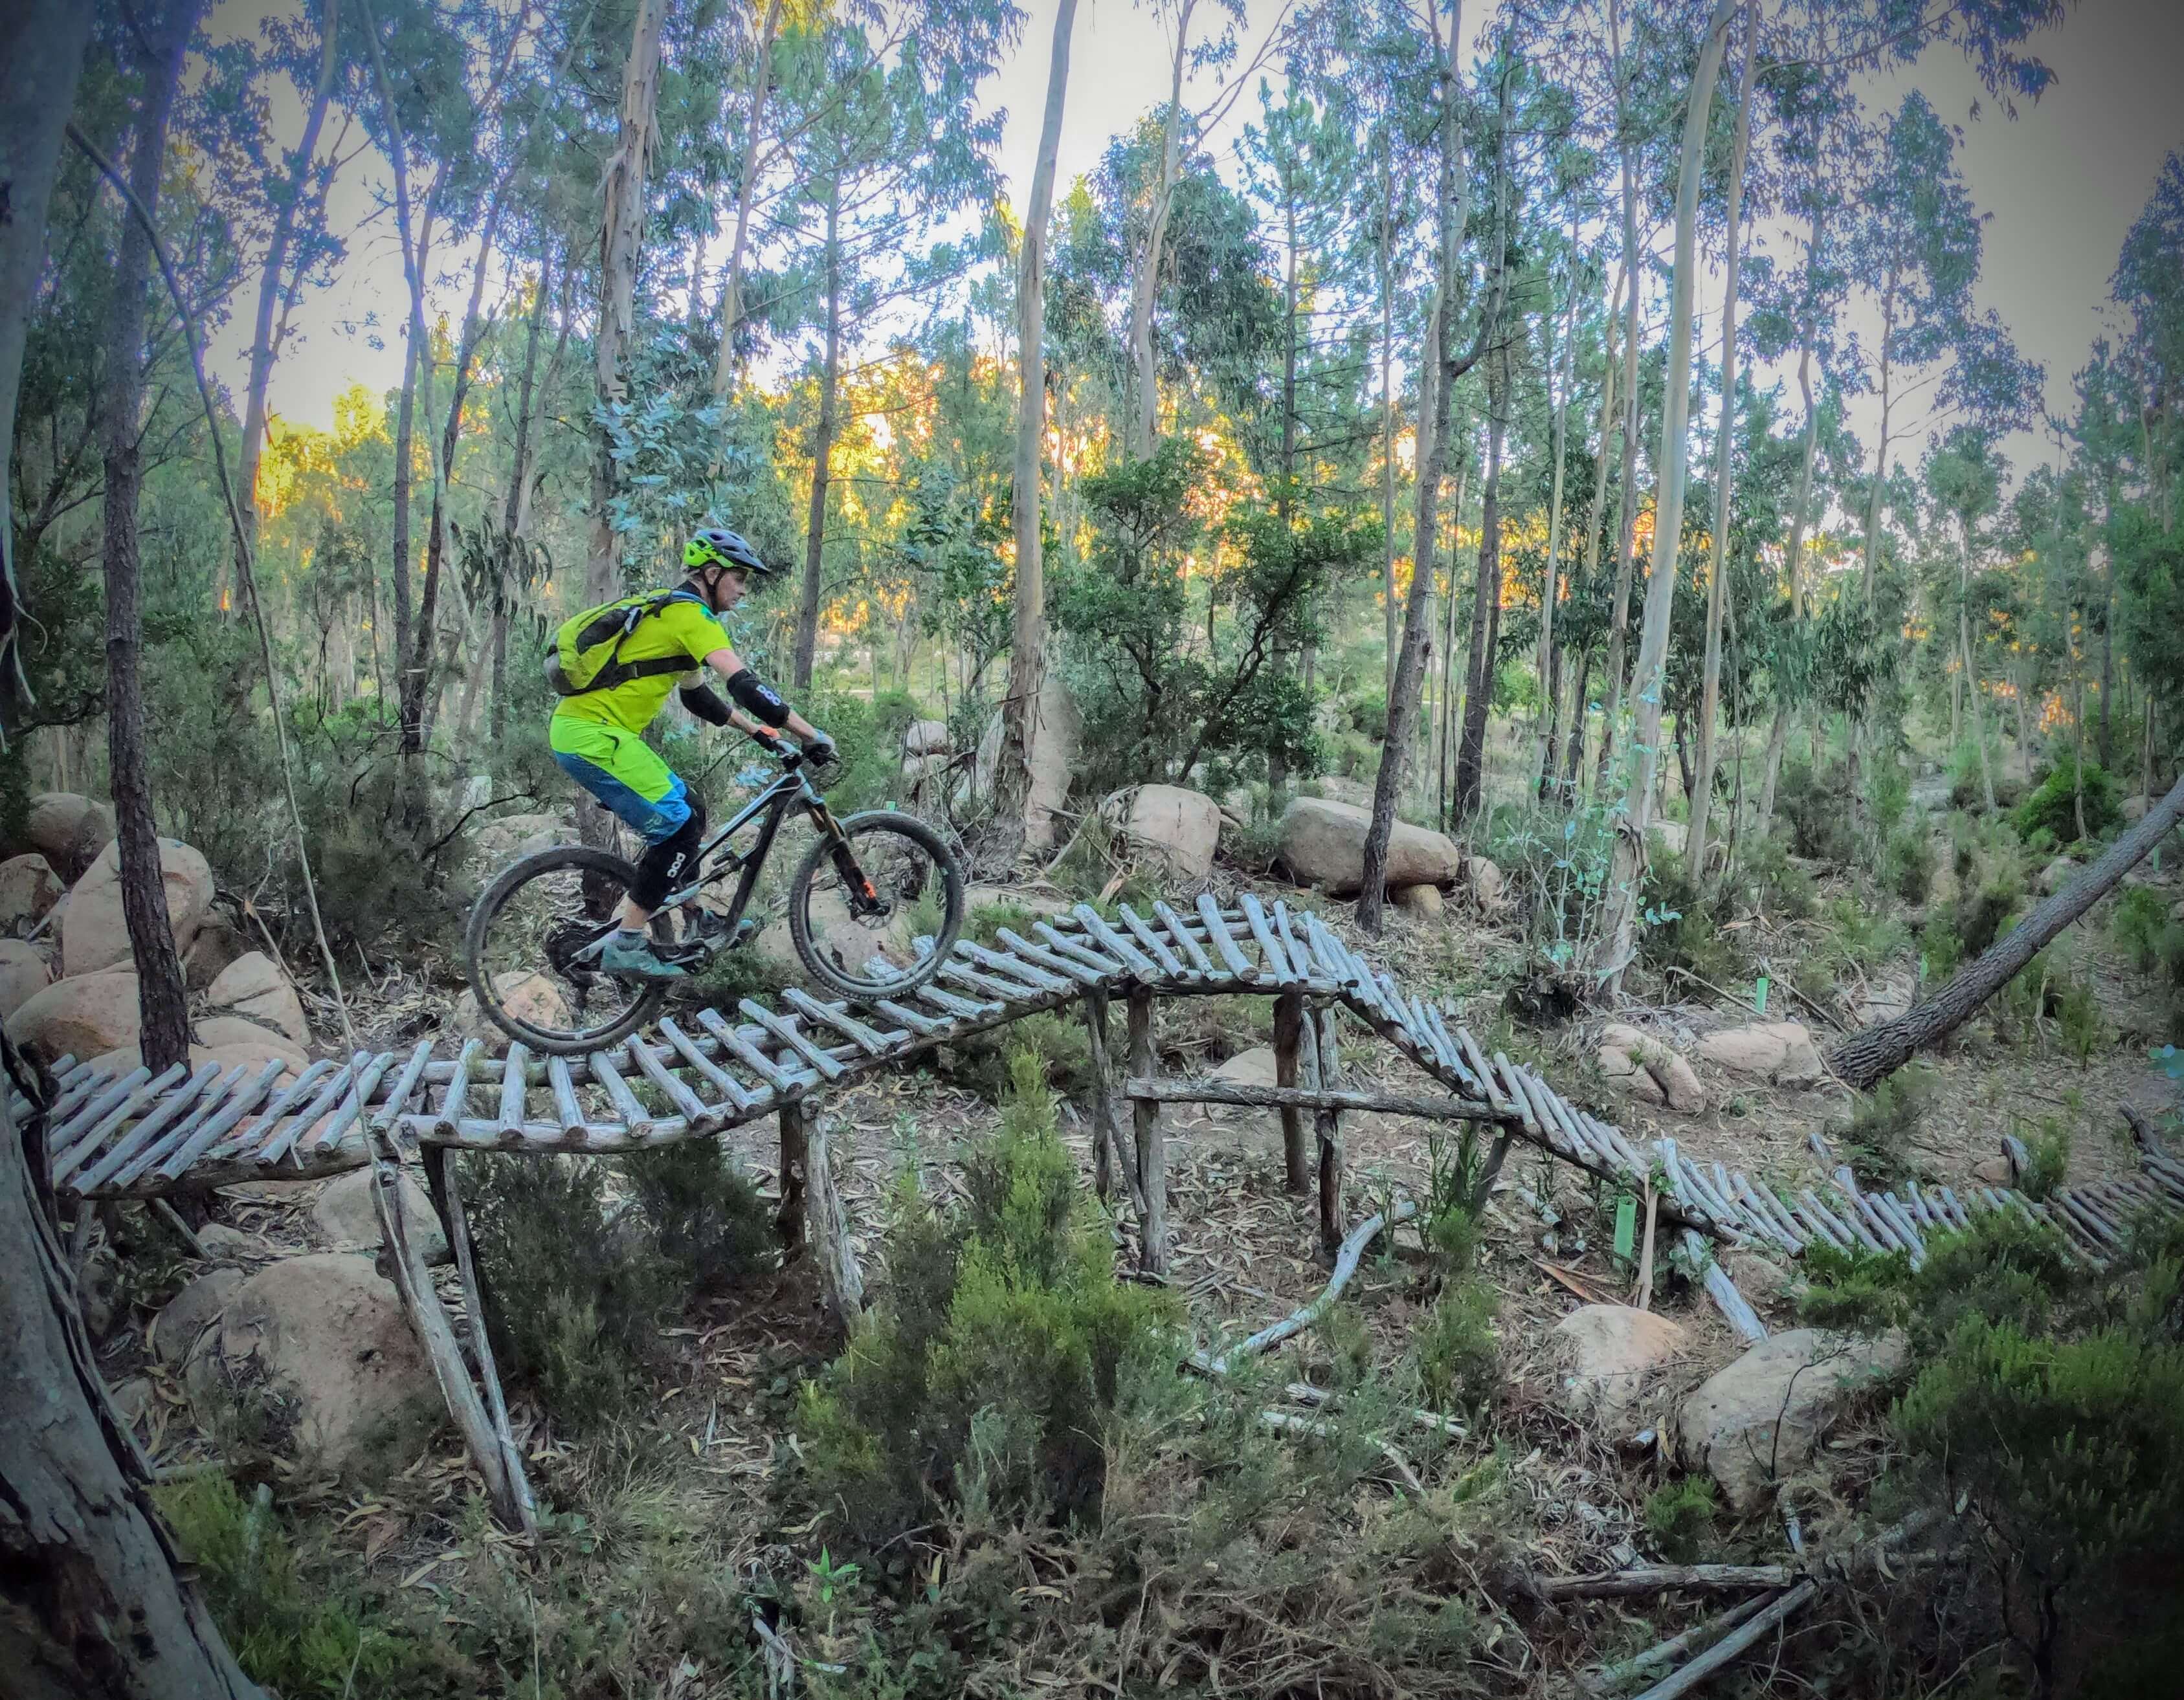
x=874, y=912
x=531, y=950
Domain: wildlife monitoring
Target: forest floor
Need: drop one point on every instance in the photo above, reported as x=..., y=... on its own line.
x=672, y=1524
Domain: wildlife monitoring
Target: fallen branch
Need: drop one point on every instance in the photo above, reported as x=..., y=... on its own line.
x=1347, y=1257
x=1871, y=1054
x=1292, y=1423
x=1612, y=1677
x=1300, y=1097
x=1722, y=1651
x=1660, y=1579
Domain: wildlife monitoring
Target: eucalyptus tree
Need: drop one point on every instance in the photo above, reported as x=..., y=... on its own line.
x=1671, y=465
x=160, y=47
x=300, y=248
x=1964, y=477
x=42, y=46
x=892, y=153
x=1438, y=51
x=1028, y=635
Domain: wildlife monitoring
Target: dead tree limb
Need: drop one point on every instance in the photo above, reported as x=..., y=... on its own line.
x=1872, y=1053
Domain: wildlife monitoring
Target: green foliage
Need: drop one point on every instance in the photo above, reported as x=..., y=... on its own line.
x=2052, y=806
x=581, y=1283
x=1680, y=930
x=290, y=1637
x=1876, y=1138
x=2048, y=1147
x=1457, y=1351
x=868, y=732
x=2137, y=925
x=1817, y=805
x=1679, y=1516
x=1907, y=864
x=990, y=1377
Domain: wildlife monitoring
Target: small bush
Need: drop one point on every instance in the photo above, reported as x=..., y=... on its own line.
x=1818, y=807
x=578, y=1289
x=704, y=1215
x=1877, y=1136
x=982, y=1063
x=1907, y=864
x=2138, y=926
x=290, y=1638
x=1680, y=929
x=989, y=1380
x=1679, y=1516
x=1368, y=713
x=2048, y=1147
x=1458, y=1355
x=2052, y=806
x=1779, y=887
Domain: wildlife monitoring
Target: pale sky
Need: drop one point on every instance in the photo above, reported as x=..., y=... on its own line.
x=2062, y=182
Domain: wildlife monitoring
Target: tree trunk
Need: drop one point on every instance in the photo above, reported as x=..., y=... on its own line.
x=159, y=989
x=1964, y=655
x=1485, y=615
x=1020, y=710
x=92, y=1600
x=42, y=43
x=1144, y=411
x=271, y=288
x=1778, y=736
x=1872, y=1054
x=1544, y=666
x=1387, y=426
x=1880, y=450
x=1619, y=926
x=732, y=291
x=621, y=228
x=1453, y=195
x=1278, y=763
x=1626, y=504
x=1725, y=467
x=1552, y=777
x=823, y=453
x=514, y=514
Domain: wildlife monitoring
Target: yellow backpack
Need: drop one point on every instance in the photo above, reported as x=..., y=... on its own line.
x=586, y=652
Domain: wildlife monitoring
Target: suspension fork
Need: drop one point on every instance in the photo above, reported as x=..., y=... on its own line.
x=863, y=894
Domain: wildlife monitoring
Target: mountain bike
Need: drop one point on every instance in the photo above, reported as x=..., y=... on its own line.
x=874, y=906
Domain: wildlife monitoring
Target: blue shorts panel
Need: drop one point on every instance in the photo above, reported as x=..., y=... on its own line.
x=652, y=821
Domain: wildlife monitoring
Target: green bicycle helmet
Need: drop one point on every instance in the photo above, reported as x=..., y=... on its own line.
x=716, y=547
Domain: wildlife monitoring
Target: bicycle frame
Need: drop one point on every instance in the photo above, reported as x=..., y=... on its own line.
x=794, y=786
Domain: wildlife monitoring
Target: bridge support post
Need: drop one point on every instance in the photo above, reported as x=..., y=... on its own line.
x=1327, y=1126
x=795, y=1162
x=486, y=1436
x=828, y=1226
x=1108, y=1150
x=1152, y=1153
x=1291, y=1017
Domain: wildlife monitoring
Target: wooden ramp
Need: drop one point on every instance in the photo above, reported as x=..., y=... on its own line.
x=692, y=1076
x=132, y=1136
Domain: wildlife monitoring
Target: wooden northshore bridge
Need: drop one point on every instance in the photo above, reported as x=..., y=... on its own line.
x=130, y=1135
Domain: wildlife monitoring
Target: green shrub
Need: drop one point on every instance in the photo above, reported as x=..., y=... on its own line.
x=1907, y=864
x=290, y=1637
x=2139, y=920
x=1875, y=1140
x=1779, y=888
x=1368, y=713
x=1458, y=1355
x=2078, y=1016
x=2052, y=806
x=1818, y=809
x=1679, y=1516
x=704, y=1216
x=990, y=1376
x=578, y=1289
x=2048, y=1147
x=1679, y=931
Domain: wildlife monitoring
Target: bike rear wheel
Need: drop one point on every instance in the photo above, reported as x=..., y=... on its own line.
x=873, y=913
x=526, y=947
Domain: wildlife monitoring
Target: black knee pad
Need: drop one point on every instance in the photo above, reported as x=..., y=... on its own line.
x=665, y=865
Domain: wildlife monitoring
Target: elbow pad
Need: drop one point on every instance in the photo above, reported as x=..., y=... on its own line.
x=756, y=698
x=700, y=700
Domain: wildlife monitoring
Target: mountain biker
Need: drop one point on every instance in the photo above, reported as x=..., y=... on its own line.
x=596, y=734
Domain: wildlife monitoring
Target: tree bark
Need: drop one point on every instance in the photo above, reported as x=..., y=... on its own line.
x=823, y=453
x=1620, y=925
x=1626, y=505
x=1778, y=736
x=42, y=43
x=732, y=289
x=1278, y=764
x=621, y=229
x=1725, y=467
x=1486, y=614
x=514, y=514
x=1387, y=425
x=1544, y=666
x=1964, y=656
x=264, y=344
x=160, y=994
x=92, y=1596
x=1145, y=410
x=1020, y=710
x=1453, y=195
x=1874, y=1054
